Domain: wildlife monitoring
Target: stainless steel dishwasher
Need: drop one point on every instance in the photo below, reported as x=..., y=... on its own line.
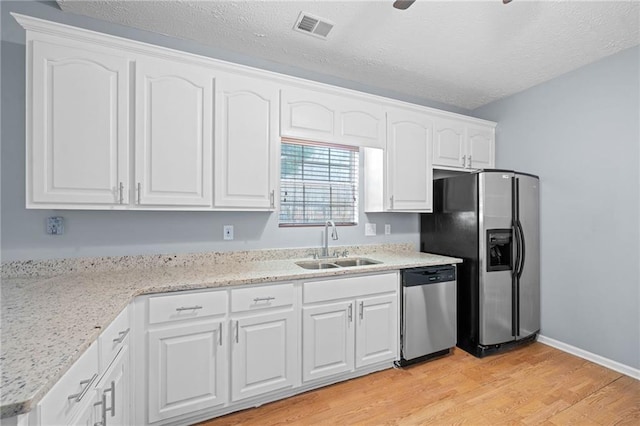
x=428, y=326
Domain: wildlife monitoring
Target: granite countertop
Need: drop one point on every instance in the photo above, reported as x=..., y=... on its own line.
x=48, y=321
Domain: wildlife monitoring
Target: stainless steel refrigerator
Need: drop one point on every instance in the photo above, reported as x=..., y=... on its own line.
x=490, y=219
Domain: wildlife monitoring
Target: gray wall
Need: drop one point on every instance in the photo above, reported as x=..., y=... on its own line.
x=580, y=133
x=102, y=233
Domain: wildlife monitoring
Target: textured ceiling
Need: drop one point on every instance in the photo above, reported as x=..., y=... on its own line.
x=462, y=53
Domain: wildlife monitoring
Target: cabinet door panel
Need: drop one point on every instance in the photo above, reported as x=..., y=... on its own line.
x=114, y=385
x=307, y=115
x=264, y=354
x=328, y=342
x=79, y=145
x=409, y=161
x=361, y=123
x=245, y=149
x=448, y=144
x=481, y=147
x=377, y=330
x=173, y=134
x=186, y=368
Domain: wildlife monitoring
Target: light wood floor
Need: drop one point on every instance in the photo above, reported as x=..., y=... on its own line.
x=535, y=384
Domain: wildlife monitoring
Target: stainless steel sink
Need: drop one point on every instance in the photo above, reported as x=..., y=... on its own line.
x=314, y=264
x=336, y=263
x=356, y=261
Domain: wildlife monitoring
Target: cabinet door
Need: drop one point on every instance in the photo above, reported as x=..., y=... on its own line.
x=360, y=123
x=314, y=115
x=263, y=354
x=246, y=143
x=480, y=147
x=89, y=414
x=449, y=144
x=186, y=369
x=410, y=173
x=307, y=115
x=79, y=127
x=113, y=392
x=377, y=330
x=328, y=343
x=174, y=134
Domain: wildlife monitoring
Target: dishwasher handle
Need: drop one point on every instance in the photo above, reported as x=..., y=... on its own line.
x=428, y=275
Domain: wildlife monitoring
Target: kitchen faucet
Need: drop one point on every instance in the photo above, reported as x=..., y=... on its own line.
x=334, y=236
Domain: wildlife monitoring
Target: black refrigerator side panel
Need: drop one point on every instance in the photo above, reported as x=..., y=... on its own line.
x=452, y=230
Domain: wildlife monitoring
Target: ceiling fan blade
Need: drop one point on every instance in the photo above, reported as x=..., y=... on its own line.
x=402, y=4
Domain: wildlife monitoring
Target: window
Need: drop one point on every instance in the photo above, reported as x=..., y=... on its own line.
x=318, y=182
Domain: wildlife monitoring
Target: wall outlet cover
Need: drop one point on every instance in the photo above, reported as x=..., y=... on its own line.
x=227, y=232
x=387, y=229
x=55, y=225
x=369, y=229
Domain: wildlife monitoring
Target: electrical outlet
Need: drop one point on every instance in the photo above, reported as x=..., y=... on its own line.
x=387, y=229
x=55, y=225
x=369, y=229
x=227, y=232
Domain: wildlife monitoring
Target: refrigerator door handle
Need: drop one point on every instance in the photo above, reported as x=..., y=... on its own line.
x=523, y=248
x=516, y=262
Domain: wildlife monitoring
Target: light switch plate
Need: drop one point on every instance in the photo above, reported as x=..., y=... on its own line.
x=387, y=229
x=369, y=229
x=55, y=225
x=227, y=232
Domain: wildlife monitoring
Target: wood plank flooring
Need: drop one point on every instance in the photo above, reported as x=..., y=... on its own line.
x=533, y=385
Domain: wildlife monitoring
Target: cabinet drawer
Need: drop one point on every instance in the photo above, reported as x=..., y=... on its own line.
x=350, y=287
x=248, y=299
x=66, y=397
x=115, y=336
x=186, y=306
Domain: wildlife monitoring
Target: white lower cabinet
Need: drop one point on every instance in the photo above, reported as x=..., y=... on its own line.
x=263, y=355
x=376, y=329
x=186, y=367
x=358, y=331
x=328, y=340
x=96, y=389
x=113, y=394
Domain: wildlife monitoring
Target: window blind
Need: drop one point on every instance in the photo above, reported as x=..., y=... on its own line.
x=318, y=182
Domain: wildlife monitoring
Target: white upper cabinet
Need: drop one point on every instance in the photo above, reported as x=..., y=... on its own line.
x=409, y=176
x=174, y=133
x=246, y=154
x=460, y=145
x=481, y=147
x=77, y=132
x=313, y=115
x=400, y=177
x=448, y=143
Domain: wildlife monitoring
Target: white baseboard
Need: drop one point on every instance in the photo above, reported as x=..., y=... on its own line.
x=589, y=356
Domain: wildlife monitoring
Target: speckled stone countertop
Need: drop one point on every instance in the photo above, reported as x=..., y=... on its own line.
x=53, y=310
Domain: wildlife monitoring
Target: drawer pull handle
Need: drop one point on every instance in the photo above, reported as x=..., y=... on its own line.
x=188, y=308
x=123, y=335
x=78, y=396
x=220, y=333
x=263, y=299
x=361, y=310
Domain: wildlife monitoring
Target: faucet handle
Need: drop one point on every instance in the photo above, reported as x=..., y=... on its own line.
x=345, y=253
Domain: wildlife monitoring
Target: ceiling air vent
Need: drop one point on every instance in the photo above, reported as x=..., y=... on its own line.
x=313, y=25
